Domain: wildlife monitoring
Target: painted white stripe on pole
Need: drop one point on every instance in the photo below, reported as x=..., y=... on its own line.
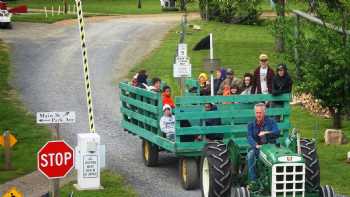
x=86, y=67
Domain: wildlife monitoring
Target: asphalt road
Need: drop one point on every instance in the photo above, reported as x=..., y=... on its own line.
x=48, y=76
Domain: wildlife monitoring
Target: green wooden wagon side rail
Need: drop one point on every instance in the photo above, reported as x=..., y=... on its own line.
x=142, y=110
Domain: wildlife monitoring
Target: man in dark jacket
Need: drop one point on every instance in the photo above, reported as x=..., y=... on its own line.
x=263, y=76
x=281, y=83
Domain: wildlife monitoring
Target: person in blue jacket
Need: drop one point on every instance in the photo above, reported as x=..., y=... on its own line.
x=261, y=131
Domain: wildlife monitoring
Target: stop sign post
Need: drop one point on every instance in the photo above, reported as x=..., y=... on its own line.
x=55, y=159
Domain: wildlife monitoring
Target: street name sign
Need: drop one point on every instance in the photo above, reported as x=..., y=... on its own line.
x=55, y=117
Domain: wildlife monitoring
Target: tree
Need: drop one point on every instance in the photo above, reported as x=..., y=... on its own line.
x=280, y=10
x=324, y=54
x=230, y=11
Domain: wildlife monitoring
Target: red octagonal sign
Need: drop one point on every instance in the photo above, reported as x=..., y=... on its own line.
x=55, y=159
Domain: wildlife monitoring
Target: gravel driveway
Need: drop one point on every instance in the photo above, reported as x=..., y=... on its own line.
x=48, y=76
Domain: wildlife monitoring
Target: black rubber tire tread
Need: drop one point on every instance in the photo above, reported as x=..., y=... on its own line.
x=219, y=169
x=241, y=192
x=192, y=173
x=312, y=165
x=153, y=154
x=327, y=191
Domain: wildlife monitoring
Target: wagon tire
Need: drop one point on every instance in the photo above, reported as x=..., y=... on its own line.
x=327, y=191
x=312, y=165
x=149, y=153
x=215, y=171
x=188, y=170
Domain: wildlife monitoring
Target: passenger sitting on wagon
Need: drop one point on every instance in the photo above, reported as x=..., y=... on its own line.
x=156, y=82
x=167, y=123
x=141, y=79
x=212, y=122
x=167, y=100
x=204, y=84
x=261, y=131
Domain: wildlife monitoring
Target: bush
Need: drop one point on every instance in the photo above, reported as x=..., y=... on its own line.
x=231, y=11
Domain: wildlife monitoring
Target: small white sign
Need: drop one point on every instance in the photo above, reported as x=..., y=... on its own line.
x=182, y=50
x=90, y=166
x=55, y=117
x=182, y=66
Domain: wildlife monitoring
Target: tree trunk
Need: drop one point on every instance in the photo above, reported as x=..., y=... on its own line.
x=139, y=4
x=182, y=5
x=280, y=9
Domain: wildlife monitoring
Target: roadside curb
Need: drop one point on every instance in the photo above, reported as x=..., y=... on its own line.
x=34, y=184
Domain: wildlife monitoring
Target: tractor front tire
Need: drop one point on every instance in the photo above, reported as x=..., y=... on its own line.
x=312, y=165
x=215, y=171
x=327, y=191
x=188, y=170
x=241, y=192
x=149, y=153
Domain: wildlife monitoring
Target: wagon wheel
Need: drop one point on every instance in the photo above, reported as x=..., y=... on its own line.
x=149, y=153
x=188, y=170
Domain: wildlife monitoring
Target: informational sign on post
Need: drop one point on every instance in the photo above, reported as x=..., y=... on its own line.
x=55, y=117
x=182, y=66
x=90, y=166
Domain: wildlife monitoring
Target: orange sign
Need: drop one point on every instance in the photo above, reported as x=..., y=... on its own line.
x=13, y=140
x=12, y=192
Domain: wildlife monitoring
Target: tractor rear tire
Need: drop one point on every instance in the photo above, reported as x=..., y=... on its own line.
x=188, y=170
x=241, y=192
x=327, y=191
x=312, y=165
x=149, y=153
x=215, y=172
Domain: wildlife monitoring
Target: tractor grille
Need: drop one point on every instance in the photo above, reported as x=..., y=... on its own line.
x=288, y=179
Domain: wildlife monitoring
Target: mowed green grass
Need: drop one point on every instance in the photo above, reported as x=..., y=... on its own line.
x=238, y=47
x=104, y=6
x=113, y=184
x=41, y=17
x=13, y=116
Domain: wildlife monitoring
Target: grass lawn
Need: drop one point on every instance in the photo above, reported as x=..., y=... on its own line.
x=104, y=6
x=30, y=136
x=238, y=47
x=113, y=186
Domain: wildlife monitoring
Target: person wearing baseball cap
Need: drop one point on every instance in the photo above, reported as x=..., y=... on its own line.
x=167, y=122
x=263, y=76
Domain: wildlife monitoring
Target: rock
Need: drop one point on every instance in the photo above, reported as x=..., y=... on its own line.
x=333, y=136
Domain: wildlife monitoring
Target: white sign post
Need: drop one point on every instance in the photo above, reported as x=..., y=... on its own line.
x=182, y=66
x=55, y=118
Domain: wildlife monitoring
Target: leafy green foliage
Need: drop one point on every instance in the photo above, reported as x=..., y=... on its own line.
x=324, y=57
x=231, y=11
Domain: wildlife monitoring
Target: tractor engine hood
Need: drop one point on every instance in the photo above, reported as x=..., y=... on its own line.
x=271, y=154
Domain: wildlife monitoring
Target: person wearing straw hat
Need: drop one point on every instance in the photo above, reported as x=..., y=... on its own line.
x=263, y=76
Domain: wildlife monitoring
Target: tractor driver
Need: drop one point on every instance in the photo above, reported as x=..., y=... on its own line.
x=261, y=131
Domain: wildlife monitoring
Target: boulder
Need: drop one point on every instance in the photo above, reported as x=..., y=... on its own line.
x=333, y=136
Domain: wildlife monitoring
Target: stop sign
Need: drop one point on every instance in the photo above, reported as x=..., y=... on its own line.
x=55, y=159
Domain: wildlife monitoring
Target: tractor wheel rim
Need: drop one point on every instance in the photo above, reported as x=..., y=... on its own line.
x=205, y=177
x=146, y=150
x=184, y=171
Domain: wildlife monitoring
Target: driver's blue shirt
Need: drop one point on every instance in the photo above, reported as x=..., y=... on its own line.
x=254, y=129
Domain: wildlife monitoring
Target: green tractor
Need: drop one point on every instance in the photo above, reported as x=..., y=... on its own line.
x=289, y=168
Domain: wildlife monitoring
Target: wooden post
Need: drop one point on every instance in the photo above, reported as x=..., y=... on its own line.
x=51, y=10
x=7, y=146
x=45, y=12
x=55, y=183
